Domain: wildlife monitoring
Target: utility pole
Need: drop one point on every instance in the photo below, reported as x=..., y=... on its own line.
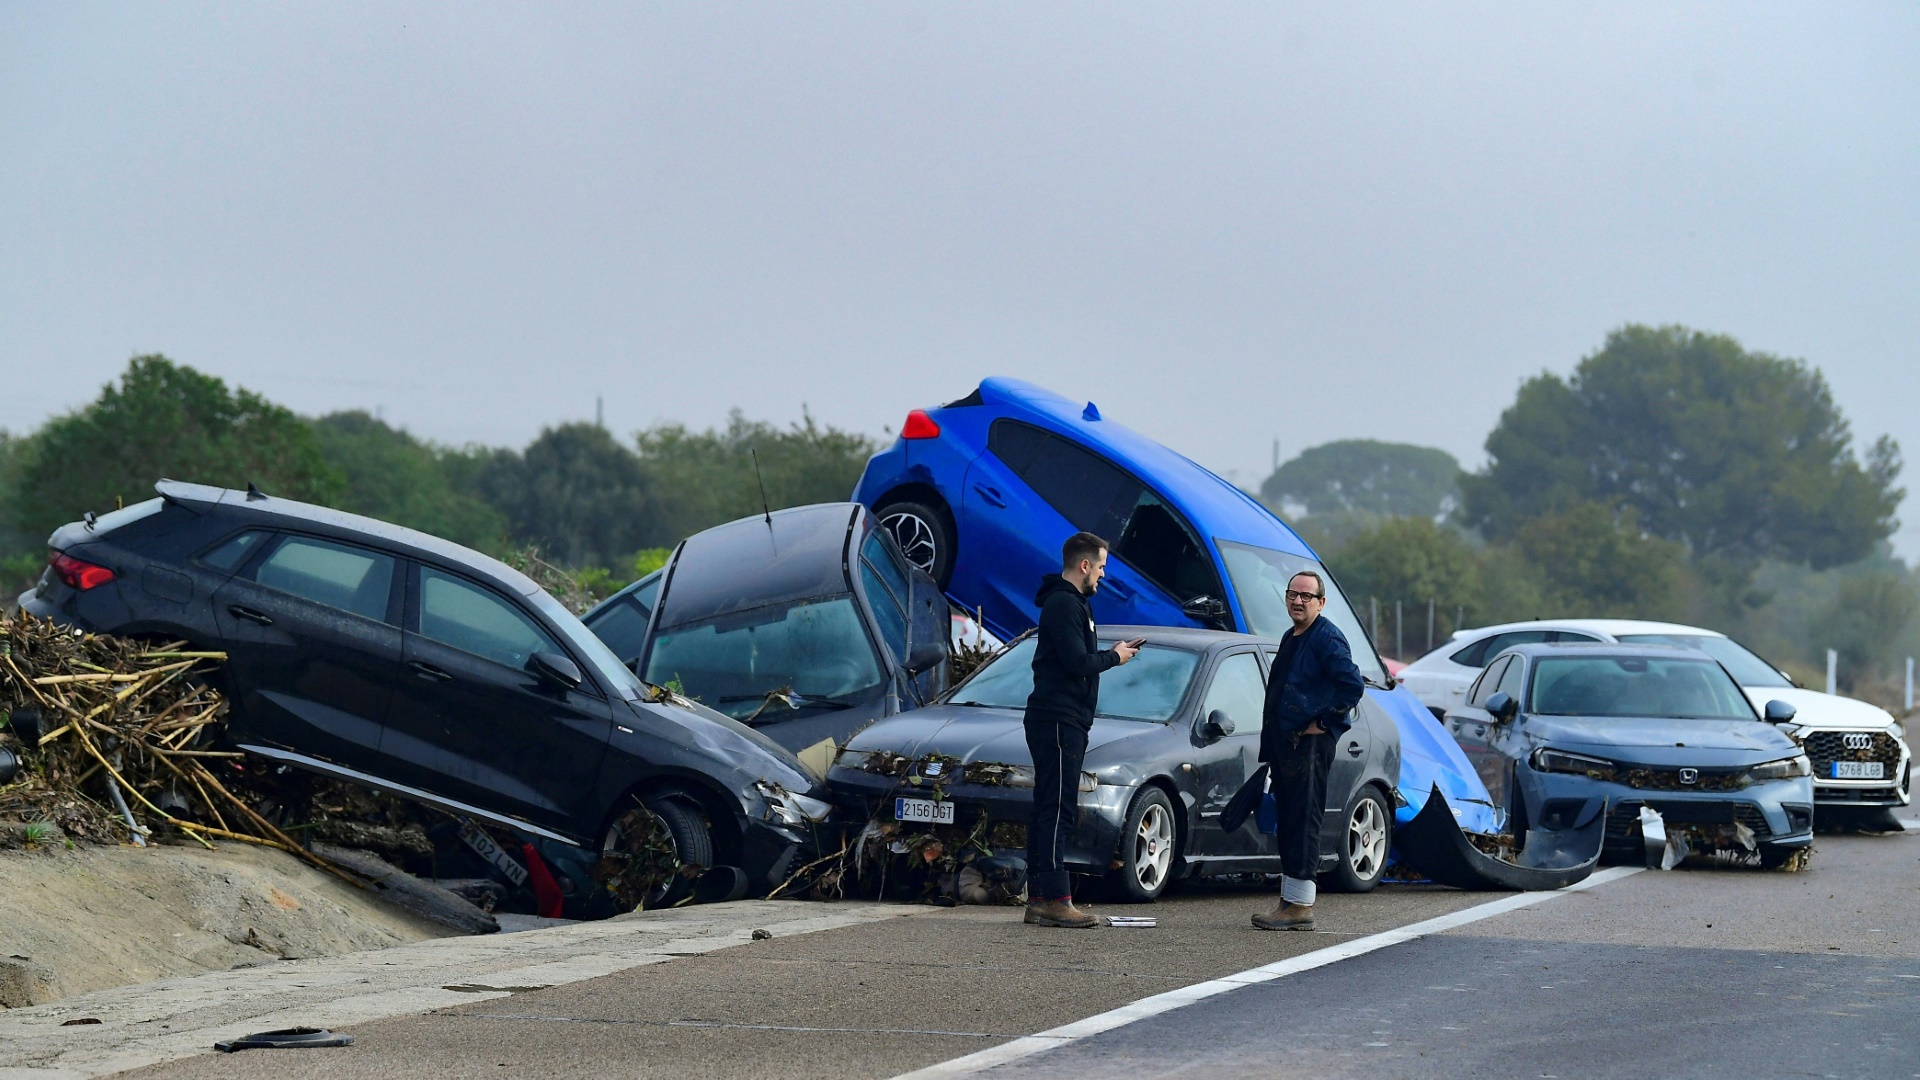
x=1909, y=684
x=1833, y=672
x=1399, y=631
x=1429, y=625
x=1276, y=455
x=599, y=412
x=1373, y=619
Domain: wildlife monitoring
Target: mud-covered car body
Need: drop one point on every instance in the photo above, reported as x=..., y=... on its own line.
x=806, y=624
x=373, y=653
x=1151, y=734
x=1560, y=731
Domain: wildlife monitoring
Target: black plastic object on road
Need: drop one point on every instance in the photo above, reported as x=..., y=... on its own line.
x=1434, y=844
x=300, y=1038
x=9, y=765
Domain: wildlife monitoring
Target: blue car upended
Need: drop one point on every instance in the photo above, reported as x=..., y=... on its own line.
x=981, y=492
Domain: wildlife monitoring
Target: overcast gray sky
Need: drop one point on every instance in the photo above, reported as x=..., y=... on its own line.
x=1225, y=224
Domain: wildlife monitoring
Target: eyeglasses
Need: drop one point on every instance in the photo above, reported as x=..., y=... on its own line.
x=1303, y=597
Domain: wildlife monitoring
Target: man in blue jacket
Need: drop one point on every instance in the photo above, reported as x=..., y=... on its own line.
x=1067, y=662
x=1311, y=689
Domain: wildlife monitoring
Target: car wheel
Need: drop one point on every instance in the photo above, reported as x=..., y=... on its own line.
x=925, y=536
x=1363, y=843
x=1149, y=849
x=649, y=849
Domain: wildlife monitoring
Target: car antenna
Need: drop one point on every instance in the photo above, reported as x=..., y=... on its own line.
x=764, y=507
x=254, y=494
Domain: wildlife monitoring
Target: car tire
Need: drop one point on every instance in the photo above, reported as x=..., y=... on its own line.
x=1149, y=849
x=681, y=827
x=1363, y=843
x=925, y=535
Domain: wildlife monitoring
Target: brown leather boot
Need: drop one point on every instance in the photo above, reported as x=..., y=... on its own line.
x=1286, y=917
x=1059, y=913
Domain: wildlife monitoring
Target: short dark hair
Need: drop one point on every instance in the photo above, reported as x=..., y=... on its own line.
x=1081, y=545
x=1319, y=585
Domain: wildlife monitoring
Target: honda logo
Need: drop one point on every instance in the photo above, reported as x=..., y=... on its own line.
x=1689, y=776
x=1859, y=742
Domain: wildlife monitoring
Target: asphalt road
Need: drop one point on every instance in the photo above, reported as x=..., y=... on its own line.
x=1689, y=973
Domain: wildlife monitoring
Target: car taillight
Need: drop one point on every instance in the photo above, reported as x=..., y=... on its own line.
x=919, y=426
x=77, y=573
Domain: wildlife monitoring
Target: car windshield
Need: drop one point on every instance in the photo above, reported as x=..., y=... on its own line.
x=814, y=653
x=1746, y=668
x=1148, y=688
x=1260, y=577
x=1646, y=686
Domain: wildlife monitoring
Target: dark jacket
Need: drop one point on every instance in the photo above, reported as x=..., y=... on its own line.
x=1322, y=684
x=1067, y=659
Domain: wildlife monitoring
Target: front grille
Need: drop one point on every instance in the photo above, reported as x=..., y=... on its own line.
x=1669, y=779
x=1623, y=821
x=1827, y=747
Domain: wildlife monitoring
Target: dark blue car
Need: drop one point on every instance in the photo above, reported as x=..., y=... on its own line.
x=981, y=492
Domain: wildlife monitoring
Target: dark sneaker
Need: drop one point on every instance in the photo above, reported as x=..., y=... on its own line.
x=1059, y=913
x=1286, y=917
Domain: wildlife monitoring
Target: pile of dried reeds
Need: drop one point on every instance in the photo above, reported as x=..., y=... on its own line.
x=115, y=736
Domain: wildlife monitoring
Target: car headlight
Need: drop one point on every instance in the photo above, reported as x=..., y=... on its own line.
x=1784, y=769
x=1545, y=760
x=851, y=759
x=791, y=808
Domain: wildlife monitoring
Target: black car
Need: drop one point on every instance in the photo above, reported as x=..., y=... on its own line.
x=806, y=624
x=377, y=654
x=1177, y=734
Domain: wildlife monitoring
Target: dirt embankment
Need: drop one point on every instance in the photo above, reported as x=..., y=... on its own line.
x=85, y=918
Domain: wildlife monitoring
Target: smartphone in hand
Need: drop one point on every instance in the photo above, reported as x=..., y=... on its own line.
x=1136, y=643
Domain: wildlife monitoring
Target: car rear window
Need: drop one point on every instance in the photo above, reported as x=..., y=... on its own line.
x=1150, y=688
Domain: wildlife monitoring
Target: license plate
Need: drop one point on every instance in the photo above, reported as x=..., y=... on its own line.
x=1859, y=770
x=483, y=844
x=933, y=813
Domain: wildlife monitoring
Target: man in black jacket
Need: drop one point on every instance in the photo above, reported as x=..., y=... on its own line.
x=1311, y=688
x=1067, y=662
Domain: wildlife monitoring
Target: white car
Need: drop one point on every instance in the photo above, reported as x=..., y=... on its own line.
x=1859, y=752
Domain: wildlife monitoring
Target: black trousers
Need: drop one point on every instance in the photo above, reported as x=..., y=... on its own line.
x=1299, y=787
x=1058, y=748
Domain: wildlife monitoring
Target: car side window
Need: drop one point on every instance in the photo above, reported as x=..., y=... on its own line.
x=1511, y=679
x=1240, y=691
x=1568, y=635
x=892, y=621
x=228, y=554
x=1483, y=686
x=475, y=620
x=339, y=576
x=1476, y=654
x=1087, y=490
x=1160, y=544
x=880, y=555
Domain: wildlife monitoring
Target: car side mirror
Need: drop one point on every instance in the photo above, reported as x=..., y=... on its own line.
x=925, y=654
x=1217, y=726
x=1779, y=712
x=1205, y=609
x=1502, y=707
x=555, y=669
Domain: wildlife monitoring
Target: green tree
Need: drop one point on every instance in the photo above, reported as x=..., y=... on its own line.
x=164, y=420
x=1369, y=476
x=702, y=479
x=1411, y=560
x=390, y=475
x=575, y=493
x=1737, y=455
x=1865, y=621
x=1594, y=563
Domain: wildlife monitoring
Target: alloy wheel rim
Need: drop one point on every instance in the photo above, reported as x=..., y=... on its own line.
x=617, y=842
x=915, y=537
x=1153, y=847
x=1366, y=839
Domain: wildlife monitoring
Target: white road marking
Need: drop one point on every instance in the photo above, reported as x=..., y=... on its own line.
x=1147, y=1007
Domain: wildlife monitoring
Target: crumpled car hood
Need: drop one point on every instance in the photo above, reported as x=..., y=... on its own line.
x=971, y=734
x=1678, y=742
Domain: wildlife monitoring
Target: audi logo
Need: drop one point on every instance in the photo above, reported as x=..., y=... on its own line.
x=1858, y=742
